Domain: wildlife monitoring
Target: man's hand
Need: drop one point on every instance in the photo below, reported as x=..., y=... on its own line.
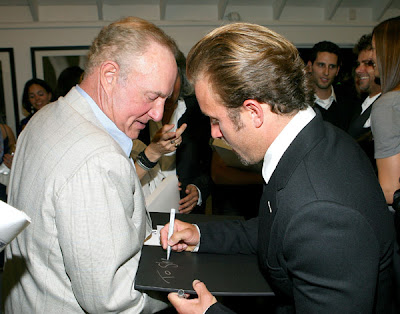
x=184, y=238
x=189, y=202
x=7, y=159
x=193, y=306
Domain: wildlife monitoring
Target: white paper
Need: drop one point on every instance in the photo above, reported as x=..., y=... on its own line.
x=154, y=239
x=165, y=196
x=4, y=169
x=12, y=222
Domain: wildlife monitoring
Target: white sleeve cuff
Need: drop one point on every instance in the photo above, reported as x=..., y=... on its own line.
x=197, y=247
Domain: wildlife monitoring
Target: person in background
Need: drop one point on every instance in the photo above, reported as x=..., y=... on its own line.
x=37, y=94
x=7, y=148
x=324, y=235
x=73, y=176
x=188, y=156
x=8, y=145
x=323, y=66
x=360, y=126
x=385, y=120
x=67, y=79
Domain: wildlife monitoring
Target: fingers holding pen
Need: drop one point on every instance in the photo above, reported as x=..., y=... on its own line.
x=184, y=238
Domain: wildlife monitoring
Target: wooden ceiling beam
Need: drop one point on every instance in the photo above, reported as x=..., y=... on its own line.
x=100, y=14
x=34, y=8
x=331, y=8
x=277, y=8
x=379, y=8
x=222, y=4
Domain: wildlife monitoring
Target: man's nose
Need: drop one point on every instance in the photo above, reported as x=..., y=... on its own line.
x=215, y=131
x=156, y=113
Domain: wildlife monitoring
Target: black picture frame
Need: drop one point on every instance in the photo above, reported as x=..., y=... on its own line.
x=43, y=68
x=9, y=113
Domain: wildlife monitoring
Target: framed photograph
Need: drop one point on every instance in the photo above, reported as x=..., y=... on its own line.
x=49, y=62
x=8, y=89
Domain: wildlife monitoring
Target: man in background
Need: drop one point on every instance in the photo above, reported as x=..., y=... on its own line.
x=360, y=126
x=324, y=65
x=73, y=176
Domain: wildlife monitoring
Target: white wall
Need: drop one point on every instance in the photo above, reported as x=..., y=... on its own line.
x=22, y=36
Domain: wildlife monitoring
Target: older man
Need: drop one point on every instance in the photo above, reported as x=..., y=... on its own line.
x=73, y=176
x=324, y=234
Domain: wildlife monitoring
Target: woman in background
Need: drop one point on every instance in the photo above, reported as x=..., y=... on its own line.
x=37, y=94
x=68, y=78
x=6, y=155
x=385, y=122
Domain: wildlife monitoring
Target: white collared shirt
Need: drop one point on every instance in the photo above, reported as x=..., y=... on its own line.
x=279, y=146
x=283, y=140
x=120, y=137
x=325, y=103
x=368, y=102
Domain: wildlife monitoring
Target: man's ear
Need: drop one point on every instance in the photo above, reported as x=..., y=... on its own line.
x=109, y=71
x=309, y=66
x=338, y=69
x=255, y=109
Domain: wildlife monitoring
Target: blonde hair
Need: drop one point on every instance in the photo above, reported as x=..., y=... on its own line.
x=387, y=45
x=248, y=61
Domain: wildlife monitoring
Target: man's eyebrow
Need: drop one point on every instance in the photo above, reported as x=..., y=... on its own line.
x=159, y=94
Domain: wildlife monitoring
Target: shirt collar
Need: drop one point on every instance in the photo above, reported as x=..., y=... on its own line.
x=326, y=103
x=283, y=141
x=120, y=137
x=368, y=102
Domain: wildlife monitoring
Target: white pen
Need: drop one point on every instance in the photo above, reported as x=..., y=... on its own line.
x=170, y=229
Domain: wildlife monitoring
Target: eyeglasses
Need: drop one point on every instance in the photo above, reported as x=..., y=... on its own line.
x=367, y=63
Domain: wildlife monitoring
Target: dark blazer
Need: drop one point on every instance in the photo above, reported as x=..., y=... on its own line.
x=193, y=156
x=362, y=135
x=324, y=235
x=342, y=109
x=356, y=128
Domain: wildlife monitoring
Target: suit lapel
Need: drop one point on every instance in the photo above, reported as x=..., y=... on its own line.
x=269, y=204
x=356, y=128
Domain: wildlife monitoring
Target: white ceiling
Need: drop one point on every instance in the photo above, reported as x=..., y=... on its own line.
x=202, y=10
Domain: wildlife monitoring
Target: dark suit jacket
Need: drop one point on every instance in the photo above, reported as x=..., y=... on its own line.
x=324, y=235
x=193, y=156
x=362, y=135
x=342, y=109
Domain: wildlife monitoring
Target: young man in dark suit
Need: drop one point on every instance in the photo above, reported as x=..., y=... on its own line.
x=324, y=65
x=324, y=235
